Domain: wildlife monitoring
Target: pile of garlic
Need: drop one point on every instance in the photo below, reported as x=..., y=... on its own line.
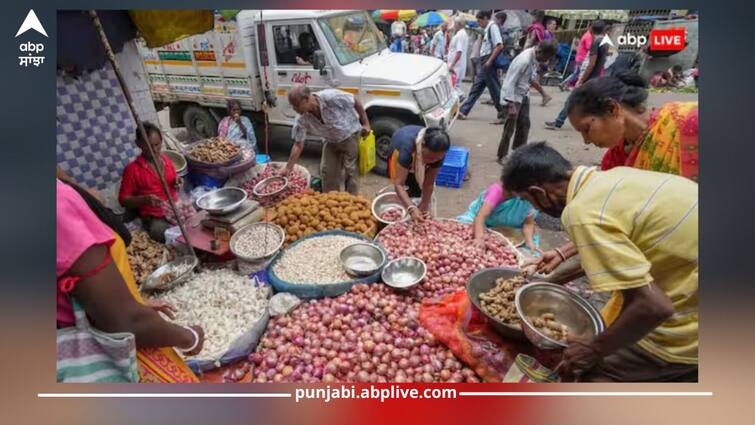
x=224, y=303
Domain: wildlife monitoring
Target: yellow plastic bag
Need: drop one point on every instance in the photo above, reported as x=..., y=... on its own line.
x=367, y=154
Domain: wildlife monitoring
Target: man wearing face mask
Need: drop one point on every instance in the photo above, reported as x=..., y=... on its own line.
x=637, y=234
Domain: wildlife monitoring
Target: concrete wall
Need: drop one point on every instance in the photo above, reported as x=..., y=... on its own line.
x=130, y=62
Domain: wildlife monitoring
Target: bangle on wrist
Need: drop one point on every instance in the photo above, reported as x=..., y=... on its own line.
x=196, y=340
x=560, y=253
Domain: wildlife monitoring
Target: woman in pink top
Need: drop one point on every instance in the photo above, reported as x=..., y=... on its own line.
x=85, y=270
x=495, y=207
x=583, y=48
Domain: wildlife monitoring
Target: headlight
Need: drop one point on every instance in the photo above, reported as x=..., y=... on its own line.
x=426, y=98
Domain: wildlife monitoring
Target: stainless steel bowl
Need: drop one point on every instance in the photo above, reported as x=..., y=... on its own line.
x=362, y=259
x=274, y=245
x=404, y=272
x=178, y=160
x=385, y=202
x=181, y=268
x=483, y=281
x=569, y=308
x=257, y=190
x=222, y=201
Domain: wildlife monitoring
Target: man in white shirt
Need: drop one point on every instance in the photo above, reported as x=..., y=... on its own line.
x=398, y=28
x=457, y=52
x=438, y=44
x=487, y=76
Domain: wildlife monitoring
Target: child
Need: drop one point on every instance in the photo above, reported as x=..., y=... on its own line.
x=497, y=208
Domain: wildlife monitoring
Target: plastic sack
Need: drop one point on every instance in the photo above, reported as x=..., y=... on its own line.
x=455, y=322
x=281, y=303
x=313, y=290
x=367, y=153
x=184, y=207
x=527, y=370
x=241, y=347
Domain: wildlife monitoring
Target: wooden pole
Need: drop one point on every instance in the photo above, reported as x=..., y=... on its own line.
x=129, y=100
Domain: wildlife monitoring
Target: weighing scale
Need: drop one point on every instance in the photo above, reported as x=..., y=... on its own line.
x=247, y=213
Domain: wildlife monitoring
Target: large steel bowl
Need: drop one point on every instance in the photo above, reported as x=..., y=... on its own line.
x=178, y=160
x=362, y=259
x=385, y=202
x=404, y=272
x=171, y=274
x=222, y=201
x=483, y=281
x=569, y=308
x=274, y=245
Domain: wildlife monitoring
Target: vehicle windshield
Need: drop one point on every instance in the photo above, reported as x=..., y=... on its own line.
x=352, y=37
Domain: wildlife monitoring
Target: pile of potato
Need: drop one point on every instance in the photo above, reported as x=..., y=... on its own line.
x=216, y=150
x=144, y=255
x=310, y=212
x=499, y=300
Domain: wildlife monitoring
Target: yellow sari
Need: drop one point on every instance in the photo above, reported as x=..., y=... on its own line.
x=155, y=365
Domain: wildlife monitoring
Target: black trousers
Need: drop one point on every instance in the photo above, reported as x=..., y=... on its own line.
x=518, y=126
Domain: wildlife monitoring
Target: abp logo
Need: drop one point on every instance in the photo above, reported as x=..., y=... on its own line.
x=672, y=39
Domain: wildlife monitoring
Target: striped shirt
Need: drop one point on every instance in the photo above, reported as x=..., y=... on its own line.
x=634, y=227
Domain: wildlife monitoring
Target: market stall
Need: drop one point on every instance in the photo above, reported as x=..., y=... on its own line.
x=293, y=285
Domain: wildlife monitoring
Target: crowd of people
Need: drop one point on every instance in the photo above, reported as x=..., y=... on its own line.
x=633, y=221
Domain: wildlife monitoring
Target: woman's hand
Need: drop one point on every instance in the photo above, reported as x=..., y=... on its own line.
x=200, y=343
x=416, y=214
x=163, y=307
x=152, y=200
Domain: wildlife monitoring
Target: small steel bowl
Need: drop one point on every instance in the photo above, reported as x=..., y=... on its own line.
x=181, y=268
x=257, y=190
x=483, y=281
x=275, y=245
x=569, y=308
x=362, y=259
x=386, y=202
x=404, y=272
x=222, y=201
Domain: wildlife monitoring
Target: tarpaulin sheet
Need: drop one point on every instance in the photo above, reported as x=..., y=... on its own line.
x=79, y=46
x=161, y=27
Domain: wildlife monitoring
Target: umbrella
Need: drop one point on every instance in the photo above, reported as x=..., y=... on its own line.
x=430, y=19
x=394, y=14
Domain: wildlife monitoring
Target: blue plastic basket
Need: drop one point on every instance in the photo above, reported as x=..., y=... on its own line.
x=263, y=159
x=454, y=168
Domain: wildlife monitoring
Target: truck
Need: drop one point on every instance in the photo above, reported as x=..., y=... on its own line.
x=257, y=57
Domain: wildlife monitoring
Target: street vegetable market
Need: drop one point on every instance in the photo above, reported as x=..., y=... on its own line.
x=224, y=264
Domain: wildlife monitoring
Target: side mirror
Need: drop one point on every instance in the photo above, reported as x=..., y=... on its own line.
x=318, y=60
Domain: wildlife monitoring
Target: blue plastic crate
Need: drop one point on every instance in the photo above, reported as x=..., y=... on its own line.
x=263, y=159
x=454, y=168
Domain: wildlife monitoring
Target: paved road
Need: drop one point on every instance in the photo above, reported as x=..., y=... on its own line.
x=481, y=138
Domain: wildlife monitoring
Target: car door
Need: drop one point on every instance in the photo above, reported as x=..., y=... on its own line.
x=291, y=45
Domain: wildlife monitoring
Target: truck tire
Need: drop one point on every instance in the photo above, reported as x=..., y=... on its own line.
x=384, y=127
x=200, y=123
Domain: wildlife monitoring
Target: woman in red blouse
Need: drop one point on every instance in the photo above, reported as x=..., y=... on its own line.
x=141, y=188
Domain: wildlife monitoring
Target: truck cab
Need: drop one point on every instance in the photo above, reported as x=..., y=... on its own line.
x=341, y=49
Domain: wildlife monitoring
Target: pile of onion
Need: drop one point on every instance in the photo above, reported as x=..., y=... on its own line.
x=297, y=183
x=370, y=334
x=448, y=250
